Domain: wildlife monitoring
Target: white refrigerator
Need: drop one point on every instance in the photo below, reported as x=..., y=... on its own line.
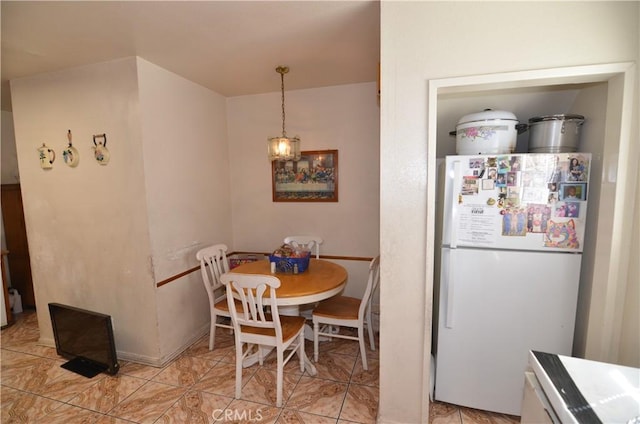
x=512, y=234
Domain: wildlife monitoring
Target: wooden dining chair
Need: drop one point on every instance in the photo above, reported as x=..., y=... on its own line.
x=214, y=263
x=253, y=327
x=344, y=311
x=310, y=243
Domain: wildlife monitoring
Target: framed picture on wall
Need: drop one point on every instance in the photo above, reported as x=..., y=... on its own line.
x=314, y=178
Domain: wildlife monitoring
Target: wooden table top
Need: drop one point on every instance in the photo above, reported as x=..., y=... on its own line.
x=321, y=280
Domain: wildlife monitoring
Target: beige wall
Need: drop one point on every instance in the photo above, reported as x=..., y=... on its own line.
x=87, y=226
x=343, y=117
x=430, y=40
x=186, y=177
x=629, y=341
x=629, y=350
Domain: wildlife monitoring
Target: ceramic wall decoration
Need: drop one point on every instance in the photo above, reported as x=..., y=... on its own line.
x=100, y=149
x=47, y=156
x=70, y=154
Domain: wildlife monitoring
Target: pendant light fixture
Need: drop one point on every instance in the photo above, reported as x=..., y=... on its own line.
x=283, y=148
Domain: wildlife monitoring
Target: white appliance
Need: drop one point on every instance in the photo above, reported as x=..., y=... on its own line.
x=512, y=237
x=561, y=389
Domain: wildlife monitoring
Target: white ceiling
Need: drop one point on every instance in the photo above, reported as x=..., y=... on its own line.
x=231, y=47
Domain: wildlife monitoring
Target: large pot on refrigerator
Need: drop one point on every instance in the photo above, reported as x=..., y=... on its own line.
x=555, y=133
x=487, y=132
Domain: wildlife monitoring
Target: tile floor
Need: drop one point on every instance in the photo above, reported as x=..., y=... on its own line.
x=197, y=387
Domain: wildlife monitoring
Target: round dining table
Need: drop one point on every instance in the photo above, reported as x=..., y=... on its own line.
x=321, y=280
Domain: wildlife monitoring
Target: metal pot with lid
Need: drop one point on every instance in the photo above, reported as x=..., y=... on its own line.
x=555, y=133
x=487, y=132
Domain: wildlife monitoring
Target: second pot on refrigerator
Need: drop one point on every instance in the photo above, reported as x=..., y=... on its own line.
x=555, y=133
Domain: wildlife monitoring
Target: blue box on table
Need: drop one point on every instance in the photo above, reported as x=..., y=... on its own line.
x=287, y=265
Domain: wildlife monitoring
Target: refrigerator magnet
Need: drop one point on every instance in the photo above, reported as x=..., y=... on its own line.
x=488, y=184
x=561, y=234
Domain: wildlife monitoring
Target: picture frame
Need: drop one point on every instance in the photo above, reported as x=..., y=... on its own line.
x=573, y=191
x=313, y=178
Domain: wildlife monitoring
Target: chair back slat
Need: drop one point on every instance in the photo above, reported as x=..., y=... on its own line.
x=213, y=263
x=255, y=292
x=372, y=284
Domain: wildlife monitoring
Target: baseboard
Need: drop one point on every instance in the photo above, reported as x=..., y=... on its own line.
x=152, y=361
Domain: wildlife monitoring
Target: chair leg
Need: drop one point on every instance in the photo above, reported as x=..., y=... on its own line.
x=279, y=378
x=363, y=352
x=301, y=353
x=316, y=329
x=212, y=331
x=370, y=330
x=239, y=358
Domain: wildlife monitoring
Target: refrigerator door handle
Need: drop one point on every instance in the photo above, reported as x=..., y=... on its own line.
x=453, y=228
x=450, y=279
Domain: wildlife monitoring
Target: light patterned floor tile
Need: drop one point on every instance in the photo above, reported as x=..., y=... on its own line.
x=292, y=367
x=290, y=416
x=21, y=407
x=444, y=413
x=69, y=414
x=223, y=348
x=318, y=396
x=25, y=330
x=372, y=354
x=63, y=384
x=261, y=387
x=474, y=416
x=148, y=402
x=108, y=419
x=361, y=404
x=369, y=377
x=226, y=354
x=333, y=366
x=107, y=393
x=341, y=346
x=15, y=363
x=195, y=407
x=42, y=376
x=135, y=369
x=32, y=348
x=221, y=379
x=184, y=371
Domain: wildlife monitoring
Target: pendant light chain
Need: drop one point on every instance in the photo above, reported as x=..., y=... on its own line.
x=282, y=70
